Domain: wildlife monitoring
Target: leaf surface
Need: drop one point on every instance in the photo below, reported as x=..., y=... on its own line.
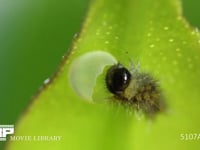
x=154, y=34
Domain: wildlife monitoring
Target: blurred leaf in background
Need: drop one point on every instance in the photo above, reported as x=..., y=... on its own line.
x=34, y=35
x=191, y=12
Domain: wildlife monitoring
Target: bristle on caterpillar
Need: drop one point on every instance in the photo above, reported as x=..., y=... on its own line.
x=135, y=89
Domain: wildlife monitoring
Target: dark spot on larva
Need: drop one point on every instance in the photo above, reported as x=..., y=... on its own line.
x=135, y=89
x=117, y=79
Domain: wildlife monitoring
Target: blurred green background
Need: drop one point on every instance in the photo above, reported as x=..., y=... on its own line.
x=34, y=35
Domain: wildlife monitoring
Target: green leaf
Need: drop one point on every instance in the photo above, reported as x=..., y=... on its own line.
x=154, y=34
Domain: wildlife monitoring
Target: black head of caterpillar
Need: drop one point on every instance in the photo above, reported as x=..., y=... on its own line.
x=135, y=89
